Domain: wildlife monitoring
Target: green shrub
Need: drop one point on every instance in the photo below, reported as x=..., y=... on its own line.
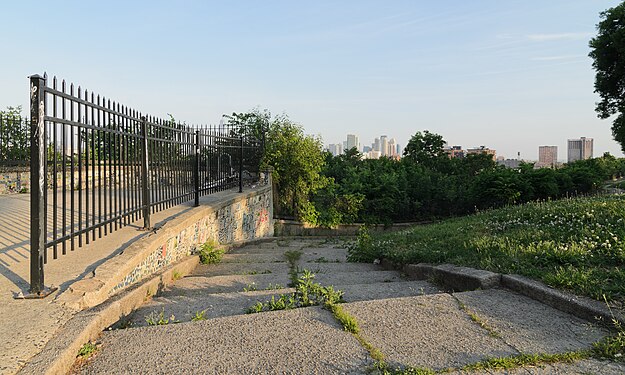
x=210, y=254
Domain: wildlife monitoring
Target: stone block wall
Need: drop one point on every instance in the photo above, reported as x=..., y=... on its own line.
x=244, y=218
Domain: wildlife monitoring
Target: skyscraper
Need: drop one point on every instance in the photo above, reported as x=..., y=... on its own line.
x=392, y=150
x=376, y=144
x=335, y=149
x=352, y=141
x=547, y=156
x=383, y=146
x=579, y=149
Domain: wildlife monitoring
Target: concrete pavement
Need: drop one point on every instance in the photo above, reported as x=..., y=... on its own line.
x=27, y=325
x=413, y=323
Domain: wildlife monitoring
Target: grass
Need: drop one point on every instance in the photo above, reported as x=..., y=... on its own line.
x=573, y=244
x=522, y=360
x=348, y=322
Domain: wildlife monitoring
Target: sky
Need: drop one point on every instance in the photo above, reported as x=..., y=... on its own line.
x=510, y=75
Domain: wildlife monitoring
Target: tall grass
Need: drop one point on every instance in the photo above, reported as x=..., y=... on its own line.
x=575, y=244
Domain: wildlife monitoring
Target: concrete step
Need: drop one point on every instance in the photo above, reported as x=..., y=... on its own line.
x=357, y=277
x=302, y=341
x=254, y=258
x=184, y=306
x=225, y=296
x=308, y=255
x=240, y=269
x=227, y=283
x=377, y=291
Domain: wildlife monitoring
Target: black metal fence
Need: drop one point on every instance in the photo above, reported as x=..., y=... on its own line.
x=97, y=166
x=14, y=140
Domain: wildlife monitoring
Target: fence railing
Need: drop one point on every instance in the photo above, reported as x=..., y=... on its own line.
x=14, y=140
x=97, y=166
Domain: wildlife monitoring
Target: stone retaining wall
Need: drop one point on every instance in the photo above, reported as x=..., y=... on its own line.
x=240, y=217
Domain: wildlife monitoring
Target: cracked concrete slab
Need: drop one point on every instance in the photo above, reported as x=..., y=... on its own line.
x=528, y=325
x=272, y=342
x=584, y=367
x=426, y=331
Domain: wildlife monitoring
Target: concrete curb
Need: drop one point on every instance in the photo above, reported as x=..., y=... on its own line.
x=59, y=354
x=464, y=279
x=581, y=307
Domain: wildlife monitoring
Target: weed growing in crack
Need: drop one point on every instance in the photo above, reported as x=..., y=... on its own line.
x=154, y=319
x=87, y=350
x=307, y=293
x=176, y=275
x=477, y=319
x=292, y=256
x=199, y=315
x=250, y=288
x=611, y=347
x=210, y=254
x=349, y=323
x=521, y=360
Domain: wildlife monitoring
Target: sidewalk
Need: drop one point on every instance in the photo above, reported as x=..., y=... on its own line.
x=27, y=325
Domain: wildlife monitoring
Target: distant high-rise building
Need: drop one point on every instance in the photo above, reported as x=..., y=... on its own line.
x=352, y=141
x=482, y=150
x=366, y=149
x=392, y=150
x=399, y=150
x=383, y=146
x=579, y=149
x=376, y=144
x=335, y=149
x=547, y=156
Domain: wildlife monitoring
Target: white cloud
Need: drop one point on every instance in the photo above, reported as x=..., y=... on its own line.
x=558, y=36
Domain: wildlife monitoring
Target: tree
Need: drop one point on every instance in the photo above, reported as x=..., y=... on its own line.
x=608, y=53
x=425, y=148
x=14, y=135
x=297, y=161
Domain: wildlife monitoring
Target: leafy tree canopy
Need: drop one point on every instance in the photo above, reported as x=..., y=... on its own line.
x=608, y=53
x=425, y=148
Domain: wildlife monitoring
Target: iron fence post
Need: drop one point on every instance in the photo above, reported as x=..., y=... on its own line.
x=145, y=173
x=241, y=166
x=196, y=168
x=38, y=189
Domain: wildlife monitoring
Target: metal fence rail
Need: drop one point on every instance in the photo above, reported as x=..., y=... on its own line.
x=97, y=166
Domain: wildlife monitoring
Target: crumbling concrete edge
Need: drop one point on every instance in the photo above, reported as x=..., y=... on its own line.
x=460, y=279
x=581, y=307
x=59, y=354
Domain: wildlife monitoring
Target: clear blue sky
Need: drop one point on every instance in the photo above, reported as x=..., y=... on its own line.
x=511, y=75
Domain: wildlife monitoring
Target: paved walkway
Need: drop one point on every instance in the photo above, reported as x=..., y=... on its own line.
x=412, y=323
x=27, y=325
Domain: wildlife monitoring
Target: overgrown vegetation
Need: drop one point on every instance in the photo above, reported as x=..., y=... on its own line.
x=210, y=253
x=307, y=293
x=325, y=190
x=575, y=244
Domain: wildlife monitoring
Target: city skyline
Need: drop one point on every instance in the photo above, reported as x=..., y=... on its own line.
x=502, y=74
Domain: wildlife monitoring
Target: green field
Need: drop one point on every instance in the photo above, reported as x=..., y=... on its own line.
x=573, y=244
